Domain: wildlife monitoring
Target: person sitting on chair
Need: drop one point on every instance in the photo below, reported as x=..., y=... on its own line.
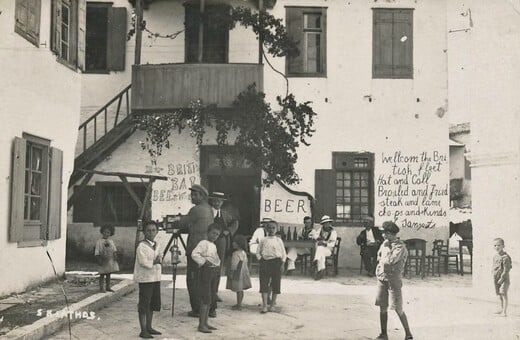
x=292, y=252
x=369, y=239
x=325, y=242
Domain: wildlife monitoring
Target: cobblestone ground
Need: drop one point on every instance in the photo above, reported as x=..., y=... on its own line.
x=327, y=309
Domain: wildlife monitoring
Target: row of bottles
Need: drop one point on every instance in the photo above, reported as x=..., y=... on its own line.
x=290, y=235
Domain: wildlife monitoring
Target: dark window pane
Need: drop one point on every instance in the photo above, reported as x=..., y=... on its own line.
x=28, y=156
x=27, y=183
x=36, y=158
x=35, y=208
x=64, y=14
x=36, y=184
x=26, y=207
x=312, y=20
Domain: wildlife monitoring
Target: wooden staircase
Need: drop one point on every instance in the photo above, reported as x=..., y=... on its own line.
x=102, y=133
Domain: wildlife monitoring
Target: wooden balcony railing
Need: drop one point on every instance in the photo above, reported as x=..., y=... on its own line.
x=164, y=87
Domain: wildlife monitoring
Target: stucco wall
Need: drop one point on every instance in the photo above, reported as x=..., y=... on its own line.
x=41, y=97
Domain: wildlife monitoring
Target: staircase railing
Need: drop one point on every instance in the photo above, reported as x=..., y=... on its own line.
x=103, y=115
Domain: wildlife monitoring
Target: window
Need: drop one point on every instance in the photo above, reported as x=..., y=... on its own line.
x=392, y=53
x=68, y=31
x=215, y=35
x=27, y=20
x=35, y=190
x=307, y=25
x=346, y=191
x=105, y=38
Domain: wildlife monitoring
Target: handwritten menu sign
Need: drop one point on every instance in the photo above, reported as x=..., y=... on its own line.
x=411, y=190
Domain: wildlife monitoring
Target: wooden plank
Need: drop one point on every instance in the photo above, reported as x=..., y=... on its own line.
x=131, y=192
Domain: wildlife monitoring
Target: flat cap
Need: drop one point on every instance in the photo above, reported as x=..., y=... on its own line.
x=199, y=188
x=390, y=227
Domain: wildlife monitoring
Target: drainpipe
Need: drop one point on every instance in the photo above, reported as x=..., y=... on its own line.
x=201, y=32
x=138, y=32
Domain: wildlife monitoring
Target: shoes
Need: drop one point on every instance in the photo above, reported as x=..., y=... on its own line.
x=193, y=314
x=319, y=275
x=154, y=332
x=219, y=299
x=145, y=335
x=382, y=337
x=109, y=290
x=211, y=328
x=212, y=314
x=408, y=337
x=236, y=307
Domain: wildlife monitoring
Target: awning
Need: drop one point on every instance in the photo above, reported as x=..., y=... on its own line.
x=459, y=215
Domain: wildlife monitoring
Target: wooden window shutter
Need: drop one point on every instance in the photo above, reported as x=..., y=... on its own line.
x=55, y=188
x=402, y=44
x=56, y=26
x=33, y=18
x=116, y=42
x=82, y=23
x=325, y=193
x=21, y=10
x=17, y=191
x=382, y=65
x=294, y=22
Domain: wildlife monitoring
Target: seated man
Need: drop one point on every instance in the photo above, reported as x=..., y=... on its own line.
x=326, y=240
x=369, y=239
x=259, y=234
x=292, y=253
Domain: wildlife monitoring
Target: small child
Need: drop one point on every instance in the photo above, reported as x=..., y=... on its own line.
x=271, y=254
x=106, y=255
x=147, y=272
x=206, y=256
x=238, y=278
x=501, y=268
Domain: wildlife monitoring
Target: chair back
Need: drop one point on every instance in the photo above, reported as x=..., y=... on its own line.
x=335, y=250
x=439, y=248
x=416, y=247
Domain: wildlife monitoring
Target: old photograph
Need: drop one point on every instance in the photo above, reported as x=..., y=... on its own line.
x=260, y=169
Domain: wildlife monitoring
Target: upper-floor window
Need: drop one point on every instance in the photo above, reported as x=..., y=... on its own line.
x=35, y=191
x=105, y=38
x=68, y=31
x=27, y=20
x=392, y=52
x=345, y=192
x=307, y=26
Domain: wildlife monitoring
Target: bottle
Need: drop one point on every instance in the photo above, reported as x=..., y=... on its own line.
x=282, y=233
x=289, y=233
x=295, y=234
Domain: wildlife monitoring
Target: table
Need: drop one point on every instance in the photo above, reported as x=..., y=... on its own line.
x=468, y=244
x=302, y=244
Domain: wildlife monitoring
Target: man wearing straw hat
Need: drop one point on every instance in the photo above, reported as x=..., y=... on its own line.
x=326, y=240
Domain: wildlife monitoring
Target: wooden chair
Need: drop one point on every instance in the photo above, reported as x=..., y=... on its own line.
x=416, y=256
x=332, y=260
x=434, y=258
x=303, y=260
x=446, y=257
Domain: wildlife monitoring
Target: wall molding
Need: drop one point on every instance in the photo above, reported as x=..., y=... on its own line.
x=485, y=159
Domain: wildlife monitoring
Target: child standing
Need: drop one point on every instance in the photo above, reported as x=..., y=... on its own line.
x=238, y=278
x=501, y=268
x=271, y=254
x=106, y=255
x=206, y=256
x=147, y=272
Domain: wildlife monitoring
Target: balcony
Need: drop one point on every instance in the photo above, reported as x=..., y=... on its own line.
x=165, y=87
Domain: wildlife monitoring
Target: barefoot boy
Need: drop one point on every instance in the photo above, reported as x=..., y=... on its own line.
x=501, y=268
x=389, y=271
x=206, y=256
x=147, y=272
x=271, y=254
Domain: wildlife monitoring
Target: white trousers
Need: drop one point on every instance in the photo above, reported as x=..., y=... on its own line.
x=320, y=255
x=292, y=254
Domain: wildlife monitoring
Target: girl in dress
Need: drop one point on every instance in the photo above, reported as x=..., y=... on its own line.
x=106, y=255
x=238, y=278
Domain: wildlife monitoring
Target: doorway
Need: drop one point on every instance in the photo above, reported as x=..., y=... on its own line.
x=223, y=169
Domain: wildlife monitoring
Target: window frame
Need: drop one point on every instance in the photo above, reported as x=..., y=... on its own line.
x=349, y=158
x=378, y=74
x=71, y=60
x=303, y=40
x=102, y=185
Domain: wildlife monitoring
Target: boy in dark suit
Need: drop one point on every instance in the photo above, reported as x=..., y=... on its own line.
x=369, y=239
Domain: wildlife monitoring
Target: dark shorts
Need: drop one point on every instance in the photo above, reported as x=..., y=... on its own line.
x=502, y=288
x=208, y=284
x=389, y=292
x=270, y=274
x=149, y=296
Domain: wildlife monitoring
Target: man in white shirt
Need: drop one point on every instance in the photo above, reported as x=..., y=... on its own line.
x=326, y=241
x=369, y=239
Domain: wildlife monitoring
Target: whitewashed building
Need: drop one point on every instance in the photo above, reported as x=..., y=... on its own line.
x=40, y=112
x=376, y=73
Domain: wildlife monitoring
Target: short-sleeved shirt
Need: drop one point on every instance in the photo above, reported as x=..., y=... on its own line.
x=501, y=267
x=391, y=261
